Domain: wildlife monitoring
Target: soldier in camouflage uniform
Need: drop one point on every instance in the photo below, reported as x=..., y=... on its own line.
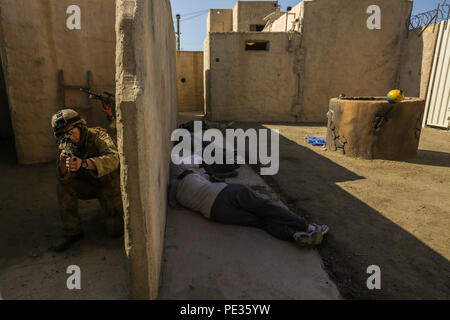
x=93, y=172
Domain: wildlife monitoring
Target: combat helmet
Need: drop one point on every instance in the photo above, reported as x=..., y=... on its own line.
x=65, y=119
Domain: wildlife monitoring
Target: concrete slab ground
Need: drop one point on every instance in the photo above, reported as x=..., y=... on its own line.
x=208, y=260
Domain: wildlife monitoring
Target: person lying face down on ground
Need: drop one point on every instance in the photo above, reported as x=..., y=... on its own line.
x=205, y=170
x=223, y=170
x=238, y=204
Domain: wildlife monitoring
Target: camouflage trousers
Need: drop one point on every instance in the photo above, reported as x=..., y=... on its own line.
x=83, y=188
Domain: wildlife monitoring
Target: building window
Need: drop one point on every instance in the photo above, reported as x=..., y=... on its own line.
x=257, y=27
x=257, y=45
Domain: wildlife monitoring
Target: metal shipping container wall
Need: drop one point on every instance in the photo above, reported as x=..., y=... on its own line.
x=437, y=108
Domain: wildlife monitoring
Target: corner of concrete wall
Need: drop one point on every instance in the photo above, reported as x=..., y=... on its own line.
x=206, y=75
x=146, y=97
x=236, y=17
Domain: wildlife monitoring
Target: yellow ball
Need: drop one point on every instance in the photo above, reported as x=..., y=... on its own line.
x=395, y=96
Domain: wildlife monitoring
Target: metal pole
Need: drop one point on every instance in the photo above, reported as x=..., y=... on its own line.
x=178, y=32
x=437, y=16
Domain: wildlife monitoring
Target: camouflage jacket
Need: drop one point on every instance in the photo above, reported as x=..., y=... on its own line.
x=100, y=148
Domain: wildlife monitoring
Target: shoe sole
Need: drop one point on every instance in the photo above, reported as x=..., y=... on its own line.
x=313, y=239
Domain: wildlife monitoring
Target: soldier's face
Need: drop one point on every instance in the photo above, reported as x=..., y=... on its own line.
x=74, y=135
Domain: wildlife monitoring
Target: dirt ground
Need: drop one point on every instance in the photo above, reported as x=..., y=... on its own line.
x=29, y=225
x=393, y=214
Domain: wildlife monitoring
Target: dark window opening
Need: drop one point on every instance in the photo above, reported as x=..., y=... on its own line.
x=257, y=45
x=217, y=60
x=257, y=27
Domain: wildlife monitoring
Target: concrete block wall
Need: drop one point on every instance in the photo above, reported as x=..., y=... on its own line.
x=146, y=113
x=34, y=44
x=190, y=80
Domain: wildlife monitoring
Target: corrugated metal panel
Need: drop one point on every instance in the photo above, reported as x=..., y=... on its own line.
x=438, y=98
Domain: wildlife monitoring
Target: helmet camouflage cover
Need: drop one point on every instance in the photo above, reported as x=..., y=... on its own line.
x=64, y=120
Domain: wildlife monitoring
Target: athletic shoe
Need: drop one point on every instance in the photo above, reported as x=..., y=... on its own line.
x=323, y=227
x=309, y=238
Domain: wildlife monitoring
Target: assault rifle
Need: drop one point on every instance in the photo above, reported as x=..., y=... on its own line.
x=68, y=146
x=107, y=99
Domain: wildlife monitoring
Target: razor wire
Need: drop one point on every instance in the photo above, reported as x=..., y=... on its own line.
x=421, y=21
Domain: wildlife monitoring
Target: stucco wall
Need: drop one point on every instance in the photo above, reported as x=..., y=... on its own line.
x=338, y=54
x=206, y=72
x=190, y=91
x=246, y=13
x=343, y=56
x=250, y=85
x=417, y=61
x=279, y=25
x=34, y=44
x=146, y=114
x=219, y=20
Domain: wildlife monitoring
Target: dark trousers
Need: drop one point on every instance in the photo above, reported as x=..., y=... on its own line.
x=238, y=204
x=86, y=188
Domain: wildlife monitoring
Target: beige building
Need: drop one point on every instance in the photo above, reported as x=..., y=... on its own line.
x=304, y=57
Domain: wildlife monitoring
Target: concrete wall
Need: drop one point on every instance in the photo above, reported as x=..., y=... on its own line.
x=190, y=91
x=206, y=72
x=417, y=61
x=343, y=56
x=294, y=20
x=246, y=13
x=250, y=85
x=219, y=20
x=34, y=44
x=146, y=110
x=337, y=54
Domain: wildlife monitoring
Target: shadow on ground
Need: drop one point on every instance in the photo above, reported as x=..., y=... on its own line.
x=360, y=236
x=431, y=158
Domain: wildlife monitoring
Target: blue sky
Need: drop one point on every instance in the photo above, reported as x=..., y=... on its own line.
x=193, y=28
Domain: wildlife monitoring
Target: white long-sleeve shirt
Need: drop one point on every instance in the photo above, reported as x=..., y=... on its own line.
x=198, y=194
